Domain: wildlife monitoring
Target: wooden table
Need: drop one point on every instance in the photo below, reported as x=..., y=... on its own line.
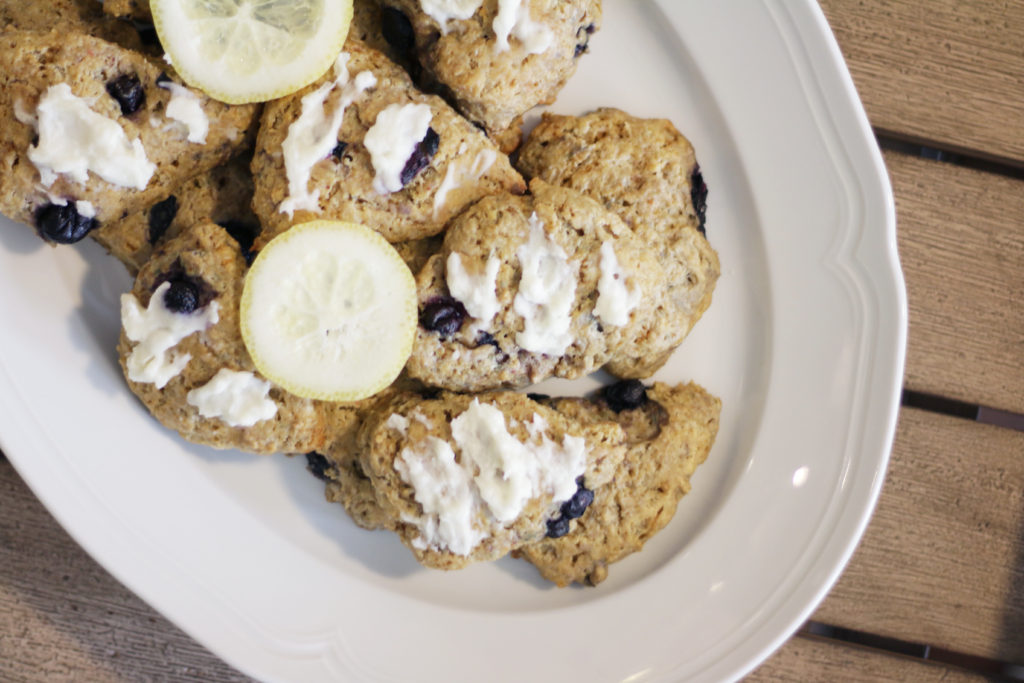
x=936, y=589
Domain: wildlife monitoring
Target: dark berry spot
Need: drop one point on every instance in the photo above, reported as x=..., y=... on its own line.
x=485, y=338
x=160, y=217
x=699, y=197
x=317, y=465
x=538, y=397
x=578, y=504
x=128, y=92
x=443, y=315
x=625, y=395
x=558, y=527
x=339, y=150
x=63, y=224
x=583, y=39
x=421, y=156
x=245, y=234
x=397, y=30
x=182, y=296
x=163, y=78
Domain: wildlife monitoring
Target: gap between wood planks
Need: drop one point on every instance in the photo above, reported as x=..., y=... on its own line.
x=1003, y=671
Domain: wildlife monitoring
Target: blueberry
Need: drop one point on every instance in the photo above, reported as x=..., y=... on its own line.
x=243, y=232
x=443, y=315
x=397, y=30
x=421, y=156
x=317, y=465
x=699, y=197
x=578, y=504
x=339, y=150
x=583, y=35
x=182, y=296
x=160, y=217
x=128, y=92
x=625, y=395
x=558, y=527
x=63, y=224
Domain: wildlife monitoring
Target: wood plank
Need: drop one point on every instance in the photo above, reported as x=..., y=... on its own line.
x=942, y=562
x=948, y=73
x=804, y=659
x=64, y=618
x=961, y=242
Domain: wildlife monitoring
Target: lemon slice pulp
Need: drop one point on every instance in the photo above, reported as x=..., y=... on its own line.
x=240, y=51
x=328, y=311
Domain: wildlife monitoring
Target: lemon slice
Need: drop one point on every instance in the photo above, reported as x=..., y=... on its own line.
x=328, y=311
x=240, y=51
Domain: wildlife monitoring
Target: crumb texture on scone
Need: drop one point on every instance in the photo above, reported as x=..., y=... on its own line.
x=668, y=436
x=335, y=150
x=646, y=172
x=528, y=287
x=78, y=16
x=182, y=352
x=63, y=92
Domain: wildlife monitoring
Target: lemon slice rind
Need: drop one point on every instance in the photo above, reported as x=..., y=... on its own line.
x=251, y=56
x=328, y=311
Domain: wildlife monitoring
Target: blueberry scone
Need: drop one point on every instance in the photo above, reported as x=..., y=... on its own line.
x=528, y=287
x=93, y=132
x=363, y=145
x=499, y=58
x=222, y=195
x=669, y=432
x=182, y=352
x=646, y=172
x=470, y=478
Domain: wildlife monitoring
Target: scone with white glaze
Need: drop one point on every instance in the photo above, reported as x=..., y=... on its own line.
x=182, y=352
x=669, y=432
x=496, y=59
x=93, y=132
x=646, y=172
x=364, y=145
x=470, y=478
x=528, y=287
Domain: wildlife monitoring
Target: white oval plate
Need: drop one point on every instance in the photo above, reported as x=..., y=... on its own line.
x=804, y=343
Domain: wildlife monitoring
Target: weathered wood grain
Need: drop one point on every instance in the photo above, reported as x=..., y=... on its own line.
x=64, y=618
x=944, y=72
x=942, y=562
x=961, y=242
x=805, y=660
